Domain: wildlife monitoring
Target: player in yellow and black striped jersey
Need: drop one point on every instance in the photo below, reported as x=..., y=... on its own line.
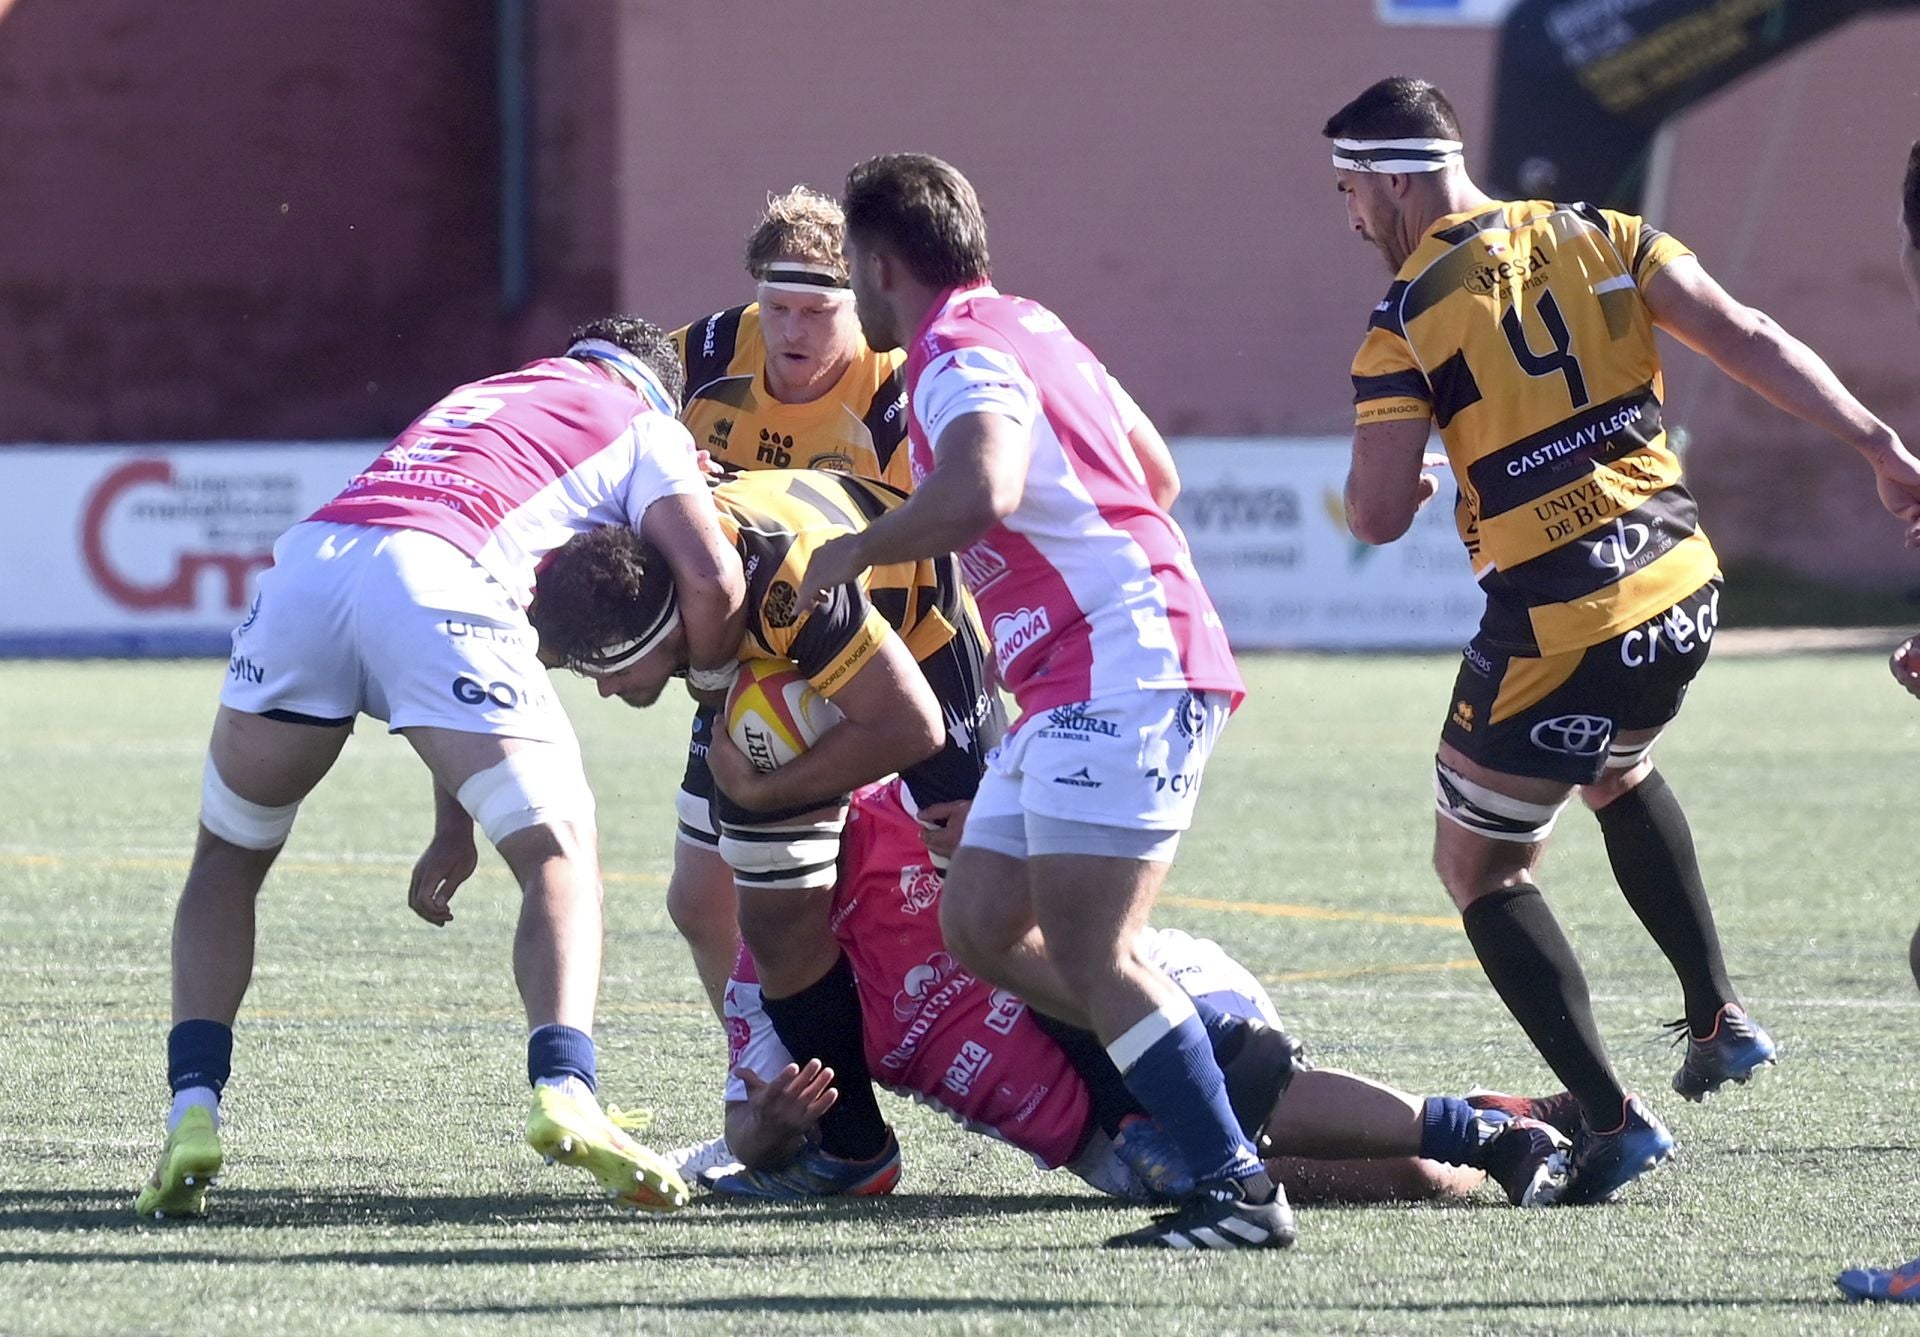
x=787, y=381
x=1523, y=330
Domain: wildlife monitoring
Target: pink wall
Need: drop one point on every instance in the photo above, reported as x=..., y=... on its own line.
x=226, y=219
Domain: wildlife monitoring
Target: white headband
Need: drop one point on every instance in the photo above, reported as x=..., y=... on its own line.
x=1396, y=155
x=805, y=277
x=610, y=659
x=637, y=373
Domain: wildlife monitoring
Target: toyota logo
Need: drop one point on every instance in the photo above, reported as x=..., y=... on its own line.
x=1575, y=735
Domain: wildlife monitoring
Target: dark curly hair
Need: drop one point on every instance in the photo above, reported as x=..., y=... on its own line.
x=646, y=341
x=598, y=589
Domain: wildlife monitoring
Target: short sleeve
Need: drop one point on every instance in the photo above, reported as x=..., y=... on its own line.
x=1646, y=249
x=663, y=464
x=1387, y=380
x=973, y=379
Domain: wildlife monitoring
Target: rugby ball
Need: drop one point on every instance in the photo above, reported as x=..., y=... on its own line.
x=773, y=713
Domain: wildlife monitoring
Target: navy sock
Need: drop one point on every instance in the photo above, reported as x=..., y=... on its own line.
x=1179, y=1082
x=560, y=1051
x=199, y=1053
x=1446, y=1130
x=1219, y=1023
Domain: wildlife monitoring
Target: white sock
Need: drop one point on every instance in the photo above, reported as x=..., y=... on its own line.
x=193, y=1098
x=572, y=1086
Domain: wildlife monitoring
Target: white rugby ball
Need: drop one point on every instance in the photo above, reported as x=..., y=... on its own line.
x=773, y=713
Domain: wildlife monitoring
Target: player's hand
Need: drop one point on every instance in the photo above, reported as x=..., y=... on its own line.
x=792, y=1103
x=941, y=825
x=835, y=563
x=708, y=465
x=1429, y=486
x=1896, y=477
x=737, y=777
x=1906, y=665
x=449, y=860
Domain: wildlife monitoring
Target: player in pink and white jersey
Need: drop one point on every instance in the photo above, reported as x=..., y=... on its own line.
x=1027, y=462
x=939, y=1034
x=404, y=598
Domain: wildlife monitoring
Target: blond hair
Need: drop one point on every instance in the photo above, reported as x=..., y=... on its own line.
x=801, y=224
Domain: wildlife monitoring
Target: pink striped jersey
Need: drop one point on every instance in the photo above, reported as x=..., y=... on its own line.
x=508, y=468
x=1088, y=589
x=933, y=1031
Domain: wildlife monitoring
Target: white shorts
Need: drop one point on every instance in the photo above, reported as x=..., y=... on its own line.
x=393, y=623
x=1127, y=766
x=1202, y=969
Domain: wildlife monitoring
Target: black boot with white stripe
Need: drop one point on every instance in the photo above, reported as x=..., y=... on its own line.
x=1222, y=1214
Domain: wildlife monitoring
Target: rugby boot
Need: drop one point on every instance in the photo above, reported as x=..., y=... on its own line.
x=1221, y=1214
x=1733, y=1051
x=703, y=1162
x=1899, y=1285
x=1531, y=1161
x=1559, y=1110
x=1258, y=1062
x=815, y=1174
x=1605, y=1163
x=577, y=1132
x=188, y=1163
x=1151, y=1155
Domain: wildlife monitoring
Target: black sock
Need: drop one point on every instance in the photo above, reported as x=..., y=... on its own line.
x=1651, y=849
x=823, y=1021
x=1106, y=1088
x=1531, y=966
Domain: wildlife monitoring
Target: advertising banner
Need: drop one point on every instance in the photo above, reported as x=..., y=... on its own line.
x=152, y=550
x=1581, y=86
x=1267, y=523
x=149, y=550
x=1479, y=13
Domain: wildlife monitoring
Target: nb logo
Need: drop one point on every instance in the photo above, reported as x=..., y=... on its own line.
x=1612, y=552
x=1574, y=735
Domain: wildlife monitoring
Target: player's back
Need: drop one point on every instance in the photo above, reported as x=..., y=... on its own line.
x=858, y=427
x=780, y=517
x=1088, y=587
x=1522, y=329
x=508, y=468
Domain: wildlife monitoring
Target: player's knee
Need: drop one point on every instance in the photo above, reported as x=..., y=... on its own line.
x=1913, y=956
x=537, y=786
x=1485, y=840
x=239, y=821
x=700, y=898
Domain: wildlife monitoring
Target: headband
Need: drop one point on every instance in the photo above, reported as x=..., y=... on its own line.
x=611, y=659
x=1396, y=155
x=804, y=276
x=631, y=369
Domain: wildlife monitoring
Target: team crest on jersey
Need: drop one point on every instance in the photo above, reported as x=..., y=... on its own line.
x=919, y=889
x=781, y=605
x=833, y=462
x=1191, y=717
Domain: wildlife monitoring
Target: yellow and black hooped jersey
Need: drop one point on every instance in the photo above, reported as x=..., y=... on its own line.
x=859, y=427
x=778, y=518
x=1520, y=330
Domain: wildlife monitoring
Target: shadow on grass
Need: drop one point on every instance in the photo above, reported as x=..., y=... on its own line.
x=110, y=1211
x=784, y=1304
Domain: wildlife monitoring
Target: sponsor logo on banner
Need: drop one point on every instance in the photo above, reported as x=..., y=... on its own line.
x=193, y=525
x=1473, y=13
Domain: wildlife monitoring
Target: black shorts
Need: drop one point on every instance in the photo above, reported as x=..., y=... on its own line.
x=1555, y=717
x=975, y=722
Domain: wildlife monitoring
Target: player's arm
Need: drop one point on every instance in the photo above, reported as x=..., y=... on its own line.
x=1156, y=462
x=1385, y=485
x=978, y=481
x=1750, y=346
x=685, y=529
x=892, y=720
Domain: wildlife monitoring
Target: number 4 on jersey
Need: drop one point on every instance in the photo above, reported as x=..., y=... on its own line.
x=1559, y=358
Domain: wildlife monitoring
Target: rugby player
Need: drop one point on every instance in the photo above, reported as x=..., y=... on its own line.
x=785, y=381
x=940, y=1035
x=1523, y=330
x=899, y=651
x=1900, y=1285
x=404, y=598
x=1027, y=463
